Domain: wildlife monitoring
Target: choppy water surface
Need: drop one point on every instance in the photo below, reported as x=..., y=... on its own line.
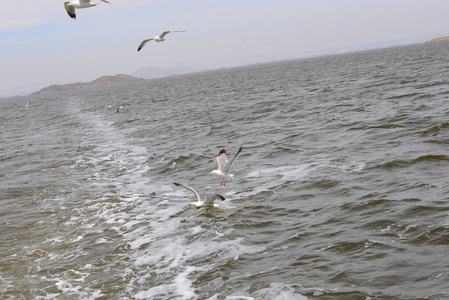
x=341, y=191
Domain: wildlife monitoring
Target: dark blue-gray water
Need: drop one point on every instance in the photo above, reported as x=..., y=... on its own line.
x=341, y=190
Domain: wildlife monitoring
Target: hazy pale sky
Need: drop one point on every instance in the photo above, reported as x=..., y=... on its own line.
x=41, y=45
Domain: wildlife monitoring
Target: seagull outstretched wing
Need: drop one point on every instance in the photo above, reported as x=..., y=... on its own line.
x=229, y=164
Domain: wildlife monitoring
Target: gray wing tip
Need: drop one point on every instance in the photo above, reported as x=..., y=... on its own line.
x=70, y=11
x=222, y=151
x=177, y=184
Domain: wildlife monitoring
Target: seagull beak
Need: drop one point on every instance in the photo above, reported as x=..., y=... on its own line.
x=211, y=173
x=189, y=203
x=68, y=4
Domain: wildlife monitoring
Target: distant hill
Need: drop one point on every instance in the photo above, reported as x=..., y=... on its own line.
x=140, y=74
x=440, y=39
x=99, y=81
x=153, y=72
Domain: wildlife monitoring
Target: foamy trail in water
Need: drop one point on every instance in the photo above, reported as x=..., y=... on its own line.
x=107, y=180
x=169, y=244
x=177, y=245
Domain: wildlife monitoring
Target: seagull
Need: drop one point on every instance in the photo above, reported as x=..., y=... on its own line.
x=120, y=106
x=71, y=5
x=207, y=201
x=224, y=166
x=159, y=38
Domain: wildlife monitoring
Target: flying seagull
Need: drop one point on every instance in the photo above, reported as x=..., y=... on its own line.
x=159, y=38
x=206, y=201
x=71, y=5
x=224, y=165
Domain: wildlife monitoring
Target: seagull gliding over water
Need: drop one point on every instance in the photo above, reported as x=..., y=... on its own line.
x=71, y=5
x=159, y=38
x=206, y=201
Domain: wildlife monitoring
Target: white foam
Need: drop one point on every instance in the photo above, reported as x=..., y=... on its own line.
x=49, y=296
x=77, y=239
x=299, y=172
x=196, y=229
x=163, y=202
x=276, y=176
x=152, y=292
x=72, y=283
x=287, y=172
x=101, y=241
x=181, y=286
x=167, y=243
x=167, y=246
x=233, y=298
x=184, y=285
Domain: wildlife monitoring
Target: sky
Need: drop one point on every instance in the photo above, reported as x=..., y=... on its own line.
x=41, y=45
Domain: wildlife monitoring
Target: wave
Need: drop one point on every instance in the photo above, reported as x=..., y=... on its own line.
x=405, y=95
x=435, y=130
x=354, y=247
x=402, y=163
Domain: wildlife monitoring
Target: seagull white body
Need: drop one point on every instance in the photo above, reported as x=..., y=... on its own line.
x=224, y=166
x=206, y=201
x=70, y=6
x=159, y=38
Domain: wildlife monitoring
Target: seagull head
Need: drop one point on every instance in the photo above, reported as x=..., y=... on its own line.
x=214, y=172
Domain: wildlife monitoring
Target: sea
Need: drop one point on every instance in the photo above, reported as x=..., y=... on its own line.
x=341, y=190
